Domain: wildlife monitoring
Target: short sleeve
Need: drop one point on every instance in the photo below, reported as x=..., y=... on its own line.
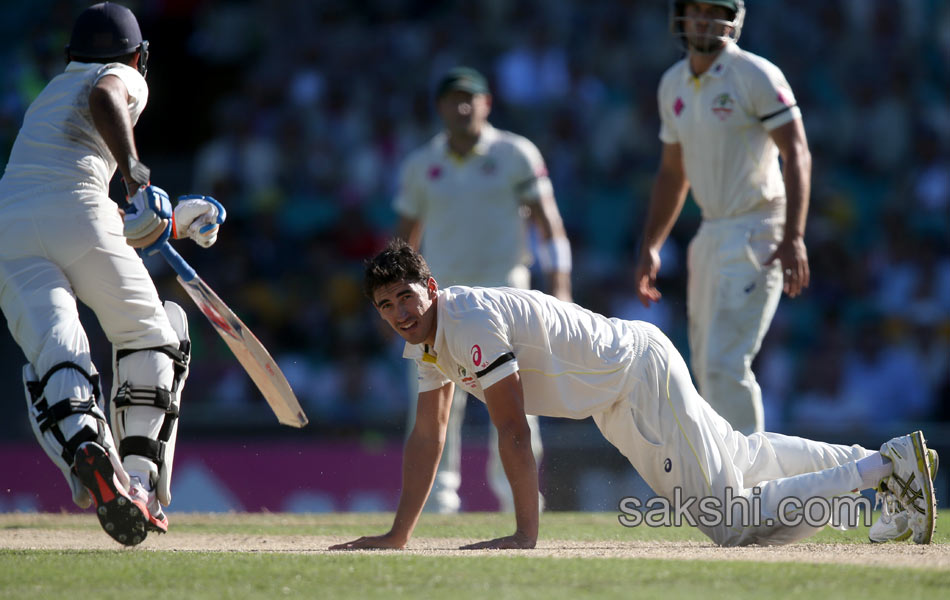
x=482, y=346
x=410, y=197
x=667, y=105
x=771, y=96
x=529, y=173
x=134, y=84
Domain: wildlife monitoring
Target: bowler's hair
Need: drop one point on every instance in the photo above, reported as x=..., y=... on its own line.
x=397, y=262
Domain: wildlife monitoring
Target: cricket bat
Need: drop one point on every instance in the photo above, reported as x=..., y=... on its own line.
x=246, y=347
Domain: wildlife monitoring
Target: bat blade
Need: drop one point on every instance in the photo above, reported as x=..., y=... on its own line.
x=249, y=351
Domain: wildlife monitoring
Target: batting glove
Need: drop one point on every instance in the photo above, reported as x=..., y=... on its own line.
x=199, y=218
x=145, y=213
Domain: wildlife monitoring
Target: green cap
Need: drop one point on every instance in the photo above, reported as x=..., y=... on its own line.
x=466, y=79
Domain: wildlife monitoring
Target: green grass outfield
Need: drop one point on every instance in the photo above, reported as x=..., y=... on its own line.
x=242, y=566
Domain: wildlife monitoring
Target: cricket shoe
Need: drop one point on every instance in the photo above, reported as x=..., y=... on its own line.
x=157, y=521
x=123, y=515
x=911, y=485
x=893, y=524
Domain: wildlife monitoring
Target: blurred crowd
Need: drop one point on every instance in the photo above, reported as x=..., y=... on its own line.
x=295, y=114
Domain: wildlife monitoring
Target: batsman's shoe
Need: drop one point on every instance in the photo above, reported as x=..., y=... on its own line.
x=157, y=521
x=912, y=483
x=893, y=524
x=123, y=515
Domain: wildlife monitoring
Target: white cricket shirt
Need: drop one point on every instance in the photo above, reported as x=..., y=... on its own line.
x=469, y=207
x=573, y=362
x=58, y=143
x=722, y=121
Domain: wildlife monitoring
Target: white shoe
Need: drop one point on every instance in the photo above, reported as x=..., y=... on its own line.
x=157, y=521
x=893, y=525
x=443, y=502
x=911, y=483
x=444, y=497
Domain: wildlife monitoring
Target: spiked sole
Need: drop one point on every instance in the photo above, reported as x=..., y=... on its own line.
x=157, y=525
x=122, y=517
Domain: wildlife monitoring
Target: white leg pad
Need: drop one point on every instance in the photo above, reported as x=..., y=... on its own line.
x=145, y=408
x=62, y=425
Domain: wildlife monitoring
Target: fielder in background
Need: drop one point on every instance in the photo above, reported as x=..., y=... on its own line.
x=463, y=198
x=726, y=117
x=524, y=352
x=63, y=239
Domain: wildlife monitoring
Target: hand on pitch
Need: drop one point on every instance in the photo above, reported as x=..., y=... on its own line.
x=645, y=277
x=199, y=218
x=145, y=218
x=793, y=256
x=371, y=542
x=517, y=541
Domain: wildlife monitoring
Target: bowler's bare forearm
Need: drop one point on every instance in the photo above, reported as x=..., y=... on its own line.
x=505, y=402
x=514, y=449
x=420, y=461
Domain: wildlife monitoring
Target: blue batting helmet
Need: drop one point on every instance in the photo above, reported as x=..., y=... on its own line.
x=107, y=30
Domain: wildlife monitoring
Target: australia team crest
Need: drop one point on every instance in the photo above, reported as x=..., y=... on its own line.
x=723, y=105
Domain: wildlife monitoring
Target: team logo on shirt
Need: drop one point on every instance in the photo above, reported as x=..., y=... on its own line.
x=466, y=378
x=476, y=355
x=783, y=99
x=678, y=106
x=435, y=171
x=489, y=166
x=722, y=106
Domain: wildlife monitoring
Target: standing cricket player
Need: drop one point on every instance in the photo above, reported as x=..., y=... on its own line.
x=726, y=117
x=524, y=352
x=462, y=198
x=63, y=239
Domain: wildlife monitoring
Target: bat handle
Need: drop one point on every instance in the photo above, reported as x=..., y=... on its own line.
x=178, y=263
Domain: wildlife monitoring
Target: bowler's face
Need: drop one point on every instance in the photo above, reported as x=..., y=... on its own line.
x=409, y=309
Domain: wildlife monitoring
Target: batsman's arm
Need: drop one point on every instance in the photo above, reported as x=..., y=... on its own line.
x=505, y=401
x=420, y=461
x=109, y=106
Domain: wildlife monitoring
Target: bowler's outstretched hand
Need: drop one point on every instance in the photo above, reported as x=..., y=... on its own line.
x=372, y=542
x=517, y=541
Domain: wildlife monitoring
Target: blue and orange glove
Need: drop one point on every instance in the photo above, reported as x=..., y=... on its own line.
x=149, y=211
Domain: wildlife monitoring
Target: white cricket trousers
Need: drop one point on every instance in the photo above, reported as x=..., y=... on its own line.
x=731, y=299
x=60, y=245
x=674, y=439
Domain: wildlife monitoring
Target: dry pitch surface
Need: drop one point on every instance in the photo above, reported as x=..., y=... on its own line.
x=72, y=532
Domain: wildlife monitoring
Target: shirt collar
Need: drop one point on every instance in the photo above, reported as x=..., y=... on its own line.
x=718, y=68
x=480, y=148
x=74, y=65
